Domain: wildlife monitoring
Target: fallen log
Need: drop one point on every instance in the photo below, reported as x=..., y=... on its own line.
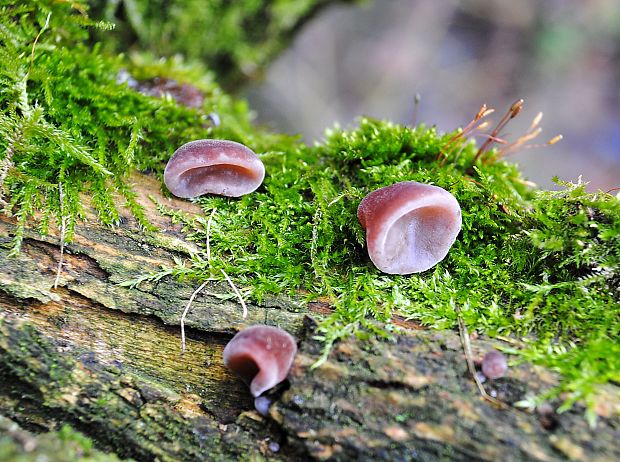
x=106, y=359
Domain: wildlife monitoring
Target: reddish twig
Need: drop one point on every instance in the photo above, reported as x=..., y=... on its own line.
x=471, y=126
x=512, y=112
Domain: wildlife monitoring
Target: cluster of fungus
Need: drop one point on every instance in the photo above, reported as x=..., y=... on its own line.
x=409, y=228
x=260, y=355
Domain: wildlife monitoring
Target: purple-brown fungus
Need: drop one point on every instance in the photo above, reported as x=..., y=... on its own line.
x=219, y=167
x=494, y=365
x=261, y=356
x=409, y=226
x=262, y=404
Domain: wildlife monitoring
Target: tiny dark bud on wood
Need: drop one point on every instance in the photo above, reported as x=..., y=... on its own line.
x=494, y=365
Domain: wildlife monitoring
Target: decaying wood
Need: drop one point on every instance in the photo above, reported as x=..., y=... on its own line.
x=412, y=398
x=107, y=360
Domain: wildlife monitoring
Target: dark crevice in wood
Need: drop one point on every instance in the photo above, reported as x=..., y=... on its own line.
x=47, y=254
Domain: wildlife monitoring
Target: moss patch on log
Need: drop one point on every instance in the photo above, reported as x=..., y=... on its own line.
x=64, y=445
x=541, y=266
x=72, y=124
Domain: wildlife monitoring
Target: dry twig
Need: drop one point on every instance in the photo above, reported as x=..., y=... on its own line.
x=209, y=235
x=234, y=288
x=202, y=286
x=470, y=362
x=183, y=316
x=36, y=40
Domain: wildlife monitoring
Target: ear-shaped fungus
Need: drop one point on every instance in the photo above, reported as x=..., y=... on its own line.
x=219, y=167
x=409, y=226
x=261, y=356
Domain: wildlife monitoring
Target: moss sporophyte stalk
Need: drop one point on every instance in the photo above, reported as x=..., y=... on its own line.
x=540, y=266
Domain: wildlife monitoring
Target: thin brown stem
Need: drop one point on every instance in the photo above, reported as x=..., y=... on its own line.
x=462, y=148
x=512, y=112
x=34, y=44
x=470, y=362
x=416, y=105
x=518, y=144
x=470, y=127
x=202, y=286
x=234, y=288
x=209, y=234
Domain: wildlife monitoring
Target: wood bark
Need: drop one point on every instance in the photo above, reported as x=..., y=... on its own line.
x=106, y=359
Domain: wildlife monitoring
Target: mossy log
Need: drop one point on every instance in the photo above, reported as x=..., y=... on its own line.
x=105, y=359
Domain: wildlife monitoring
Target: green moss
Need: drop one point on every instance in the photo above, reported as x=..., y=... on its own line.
x=68, y=127
x=64, y=445
x=236, y=38
x=534, y=264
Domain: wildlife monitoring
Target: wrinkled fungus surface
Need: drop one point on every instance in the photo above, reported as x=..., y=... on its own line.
x=261, y=356
x=409, y=226
x=218, y=167
x=494, y=365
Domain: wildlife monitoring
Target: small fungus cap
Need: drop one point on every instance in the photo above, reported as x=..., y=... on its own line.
x=409, y=226
x=218, y=167
x=261, y=356
x=494, y=365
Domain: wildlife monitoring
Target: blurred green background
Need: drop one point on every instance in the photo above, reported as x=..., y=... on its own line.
x=338, y=59
x=561, y=56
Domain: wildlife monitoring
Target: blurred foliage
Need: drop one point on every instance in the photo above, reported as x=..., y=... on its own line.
x=234, y=39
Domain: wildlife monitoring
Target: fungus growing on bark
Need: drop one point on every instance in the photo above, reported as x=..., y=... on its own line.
x=409, y=226
x=494, y=365
x=261, y=356
x=219, y=167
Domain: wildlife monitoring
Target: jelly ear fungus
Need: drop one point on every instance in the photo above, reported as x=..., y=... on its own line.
x=218, y=167
x=409, y=226
x=261, y=355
